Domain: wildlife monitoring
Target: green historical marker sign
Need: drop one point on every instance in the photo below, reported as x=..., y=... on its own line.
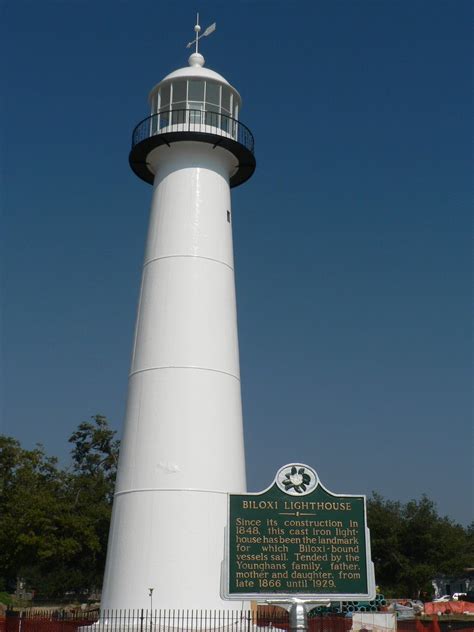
x=297, y=539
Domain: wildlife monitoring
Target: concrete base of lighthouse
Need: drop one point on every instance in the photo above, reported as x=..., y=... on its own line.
x=182, y=448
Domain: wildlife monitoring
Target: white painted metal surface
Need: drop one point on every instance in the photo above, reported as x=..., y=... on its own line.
x=374, y=621
x=182, y=447
x=195, y=71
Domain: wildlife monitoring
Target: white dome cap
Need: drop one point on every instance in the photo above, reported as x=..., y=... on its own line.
x=195, y=70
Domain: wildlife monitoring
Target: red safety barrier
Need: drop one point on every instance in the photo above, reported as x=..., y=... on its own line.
x=449, y=607
x=238, y=621
x=32, y=623
x=435, y=625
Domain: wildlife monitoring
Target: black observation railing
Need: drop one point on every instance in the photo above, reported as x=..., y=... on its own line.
x=194, y=121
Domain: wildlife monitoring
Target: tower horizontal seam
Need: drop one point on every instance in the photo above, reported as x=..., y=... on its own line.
x=170, y=489
x=198, y=368
x=188, y=257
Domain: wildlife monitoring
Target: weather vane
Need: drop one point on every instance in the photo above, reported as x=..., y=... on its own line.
x=210, y=29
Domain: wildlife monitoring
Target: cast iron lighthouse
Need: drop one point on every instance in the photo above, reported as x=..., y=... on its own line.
x=182, y=448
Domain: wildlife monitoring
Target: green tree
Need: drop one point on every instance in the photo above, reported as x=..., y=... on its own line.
x=95, y=452
x=54, y=522
x=95, y=457
x=384, y=520
x=411, y=544
x=32, y=501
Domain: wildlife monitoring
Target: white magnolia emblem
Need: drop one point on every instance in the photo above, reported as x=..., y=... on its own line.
x=296, y=479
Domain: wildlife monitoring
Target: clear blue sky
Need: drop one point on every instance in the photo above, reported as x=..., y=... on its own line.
x=352, y=240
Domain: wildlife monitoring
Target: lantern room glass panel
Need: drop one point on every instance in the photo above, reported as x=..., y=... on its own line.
x=212, y=115
x=178, y=115
x=164, y=119
x=179, y=92
x=165, y=97
x=226, y=100
x=196, y=109
x=213, y=91
x=195, y=90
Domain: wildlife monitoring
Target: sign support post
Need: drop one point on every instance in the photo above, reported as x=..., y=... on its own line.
x=298, y=611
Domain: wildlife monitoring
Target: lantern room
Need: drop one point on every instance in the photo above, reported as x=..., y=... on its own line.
x=201, y=91
x=198, y=104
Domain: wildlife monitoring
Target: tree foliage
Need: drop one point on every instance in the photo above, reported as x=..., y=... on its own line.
x=95, y=451
x=53, y=521
x=411, y=544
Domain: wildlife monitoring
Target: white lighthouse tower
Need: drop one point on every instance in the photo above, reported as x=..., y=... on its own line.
x=182, y=448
